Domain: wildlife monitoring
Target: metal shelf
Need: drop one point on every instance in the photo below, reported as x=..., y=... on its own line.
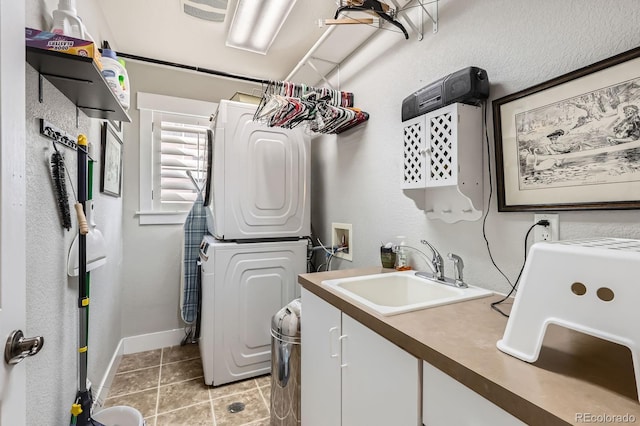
x=340, y=41
x=80, y=80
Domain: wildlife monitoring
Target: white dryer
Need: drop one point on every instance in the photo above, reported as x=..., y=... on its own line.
x=259, y=187
x=243, y=286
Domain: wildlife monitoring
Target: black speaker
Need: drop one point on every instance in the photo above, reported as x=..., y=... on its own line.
x=468, y=86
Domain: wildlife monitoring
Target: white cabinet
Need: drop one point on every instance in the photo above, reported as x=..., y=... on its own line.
x=442, y=152
x=320, y=374
x=448, y=402
x=352, y=376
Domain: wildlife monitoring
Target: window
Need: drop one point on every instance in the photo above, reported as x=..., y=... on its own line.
x=173, y=143
x=179, y=147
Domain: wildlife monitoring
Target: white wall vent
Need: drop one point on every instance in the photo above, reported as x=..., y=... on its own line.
x=208, y=10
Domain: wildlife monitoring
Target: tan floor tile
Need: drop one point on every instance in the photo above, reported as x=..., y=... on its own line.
x=261, y=422
x=135, y=381
x=140, y=360
x=266, y=393
x=180, y=371
x=254, y=409
x=232, y=388
x=197, y=415
x=144, y=401
x=179, y=395
x=180, y=353
x=263, y=380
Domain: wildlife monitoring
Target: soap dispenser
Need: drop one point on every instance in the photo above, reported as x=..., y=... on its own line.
x=402, y=264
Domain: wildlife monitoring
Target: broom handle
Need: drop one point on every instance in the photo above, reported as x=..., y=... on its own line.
x=82, y=219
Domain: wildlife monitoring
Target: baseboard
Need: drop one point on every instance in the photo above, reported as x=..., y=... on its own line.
x=151, y=341
x=132, y=345
x=107, y=380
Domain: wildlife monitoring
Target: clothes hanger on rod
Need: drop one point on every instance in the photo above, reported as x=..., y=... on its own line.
x=288, y=105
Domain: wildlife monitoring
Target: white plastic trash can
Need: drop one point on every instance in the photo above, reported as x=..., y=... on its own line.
x=120, y=415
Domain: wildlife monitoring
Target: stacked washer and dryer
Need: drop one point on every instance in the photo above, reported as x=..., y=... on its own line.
x=258, y=219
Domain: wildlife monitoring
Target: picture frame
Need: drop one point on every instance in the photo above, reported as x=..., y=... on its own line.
x=573, y=142
x=117, y=125
x=110, y=162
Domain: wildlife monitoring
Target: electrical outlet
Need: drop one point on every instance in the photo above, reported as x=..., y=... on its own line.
x=546, y=233
x=342, y=237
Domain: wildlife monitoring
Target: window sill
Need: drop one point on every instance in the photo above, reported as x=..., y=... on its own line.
x=151, y=217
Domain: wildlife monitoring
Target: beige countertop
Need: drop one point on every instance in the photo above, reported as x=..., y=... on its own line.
x=575, y=373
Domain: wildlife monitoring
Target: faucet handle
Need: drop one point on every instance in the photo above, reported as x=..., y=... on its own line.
x=436, y=255
x=458, y=266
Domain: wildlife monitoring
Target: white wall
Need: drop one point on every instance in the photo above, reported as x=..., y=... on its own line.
x=52, y=296
x=356, y=176
x=152, y=253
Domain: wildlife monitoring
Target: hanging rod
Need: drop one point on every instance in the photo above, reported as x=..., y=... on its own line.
x=220, y=73
x=191, y=68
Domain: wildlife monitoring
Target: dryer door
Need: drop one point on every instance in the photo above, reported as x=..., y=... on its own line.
x=253, y=281
x=266, y=174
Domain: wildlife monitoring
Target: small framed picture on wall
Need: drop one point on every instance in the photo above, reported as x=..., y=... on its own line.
x=111, y=162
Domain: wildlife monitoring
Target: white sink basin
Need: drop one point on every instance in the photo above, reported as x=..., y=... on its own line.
x=398, y=292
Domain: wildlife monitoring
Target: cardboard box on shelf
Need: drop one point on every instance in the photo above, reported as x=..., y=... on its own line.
x=62, y=43
x=246, y=98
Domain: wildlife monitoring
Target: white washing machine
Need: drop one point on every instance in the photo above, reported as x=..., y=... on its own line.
x=243, y=286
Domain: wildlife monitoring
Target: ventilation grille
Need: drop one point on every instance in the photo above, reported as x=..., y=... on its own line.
x=441, y=147
x=207, y=10
x=413, y=160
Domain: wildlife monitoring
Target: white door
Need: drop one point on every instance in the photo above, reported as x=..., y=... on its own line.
x=12, y=204
x=320, y=332
x=252, y=282
x=380, y=381
x=352, y=376
x=443, y=397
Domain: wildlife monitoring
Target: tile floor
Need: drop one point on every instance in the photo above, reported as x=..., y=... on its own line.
x=167, y=387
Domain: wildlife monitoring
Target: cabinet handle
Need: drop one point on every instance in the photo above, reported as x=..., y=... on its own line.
x=341, y=339
x=332, y=354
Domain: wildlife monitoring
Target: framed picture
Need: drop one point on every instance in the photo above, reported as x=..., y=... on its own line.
x=111, y=162
x=117, y=125
x=572, y=143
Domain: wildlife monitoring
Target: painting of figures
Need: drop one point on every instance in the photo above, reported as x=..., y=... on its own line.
x=588, y=139
x=573, y=142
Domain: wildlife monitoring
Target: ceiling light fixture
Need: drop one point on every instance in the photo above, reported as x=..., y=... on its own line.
x=256, y=24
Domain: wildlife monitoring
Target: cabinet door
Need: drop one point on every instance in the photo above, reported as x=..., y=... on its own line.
x=444, y=396
x=380, y=381
x=320, y=371
x=441, y=131
x=414, y=153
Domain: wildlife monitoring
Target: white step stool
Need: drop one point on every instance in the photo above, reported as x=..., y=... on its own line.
x=591, y=286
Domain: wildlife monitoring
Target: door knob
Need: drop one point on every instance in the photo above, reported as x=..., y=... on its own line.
x=19, y=347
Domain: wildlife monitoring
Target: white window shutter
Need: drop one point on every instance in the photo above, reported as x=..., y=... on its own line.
x=180, y=144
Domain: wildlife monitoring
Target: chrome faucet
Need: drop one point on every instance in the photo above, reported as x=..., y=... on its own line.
x=436, y=262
